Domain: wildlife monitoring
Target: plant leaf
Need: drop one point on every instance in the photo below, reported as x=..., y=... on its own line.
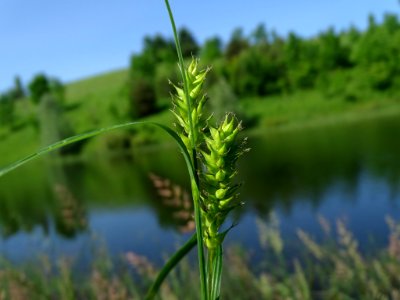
x=93, y=133
x=171, y=263
x=216, y=272
x=194, y=179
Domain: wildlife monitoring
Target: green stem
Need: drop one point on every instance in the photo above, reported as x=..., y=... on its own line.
x=195, y=183
x=183, y=71
x=200, y=247
x=171, y=263
x=210, y=255
x=185, y=84
x=214, y=272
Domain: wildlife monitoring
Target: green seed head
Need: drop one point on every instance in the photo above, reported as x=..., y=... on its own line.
x=218, y=150
x=219, y=158
x=220, y=176
x=220, y=194
x=189, y=110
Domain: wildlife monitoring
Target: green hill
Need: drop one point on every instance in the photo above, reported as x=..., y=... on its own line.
x=102, y=100
x=97, y=101
x=89, y=103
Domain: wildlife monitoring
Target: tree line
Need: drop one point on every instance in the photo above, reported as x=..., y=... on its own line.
x=39, y=86
x=350, y=63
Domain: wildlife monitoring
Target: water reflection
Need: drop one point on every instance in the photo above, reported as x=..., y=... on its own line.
x=176, y=203
x=302, y=165
x=140, y=202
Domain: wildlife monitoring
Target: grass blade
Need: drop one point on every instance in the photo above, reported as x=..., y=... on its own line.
x=214, y=272
x=93, y=133
x=180, y=59
x=171, y=263
x=195, y=179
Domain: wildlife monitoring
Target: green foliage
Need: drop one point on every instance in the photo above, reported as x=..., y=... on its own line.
x=223, y=99
x=159, y=48
x=18, y=88
x=150, y=70
x=377, y=54
x=260, y=35
x=156, y=49
x=330, y=52
x=188, y=43
x=41, y=86
x=333, y=268
x=7, y=109
x=142, y=98
x=165, y=73
x=349, y=64
x=38, y=87
x=8, y=101
x=236, y=44
x=256, y=71
x=57, y=90
x=211, y=50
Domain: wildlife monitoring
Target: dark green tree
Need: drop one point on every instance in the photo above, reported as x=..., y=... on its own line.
x=142, y=97
x=236, y=44
x=19, y=91
x=7, y=109
x=299, y=57
x=331, y=54
x=211, y=50
x=155, y=50
x=57, y=89
x=38, y=87
x=376, y=55
x=143, y=74
x=143, y=64
x=188, y=43
x=256, y=72
x=165, y=73
x=159, y=48
x=260, y=35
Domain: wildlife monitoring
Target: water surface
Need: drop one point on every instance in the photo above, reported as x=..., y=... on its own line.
x=347, y=171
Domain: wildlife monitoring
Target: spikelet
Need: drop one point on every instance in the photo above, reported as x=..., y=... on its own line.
x=190, y=111
x=310, y=244
x=219, y=193
x=218, y=150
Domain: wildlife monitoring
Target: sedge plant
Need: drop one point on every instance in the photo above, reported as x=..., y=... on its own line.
x=210, y=153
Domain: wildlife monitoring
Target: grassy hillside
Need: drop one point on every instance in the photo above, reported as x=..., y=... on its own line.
x=103, y=100
x=97, y=101
x=313, y=108
x=90, y=103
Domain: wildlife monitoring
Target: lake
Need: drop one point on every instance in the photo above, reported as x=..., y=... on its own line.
x=138, y=201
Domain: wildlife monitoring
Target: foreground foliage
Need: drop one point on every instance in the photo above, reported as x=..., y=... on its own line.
x=330, y=269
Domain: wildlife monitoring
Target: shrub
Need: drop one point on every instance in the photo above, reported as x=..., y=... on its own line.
x=142, y=98
x=38, y=87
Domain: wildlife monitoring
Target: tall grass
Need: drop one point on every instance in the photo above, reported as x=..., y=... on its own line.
x=333, y=268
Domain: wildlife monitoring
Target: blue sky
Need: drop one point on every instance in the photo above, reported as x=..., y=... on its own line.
x=75, y=39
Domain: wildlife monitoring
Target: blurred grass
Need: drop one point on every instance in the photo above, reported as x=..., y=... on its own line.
x=331, y=268
x=102, y=100
x=97, y=101
x=312, y=108
x=15, y=145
